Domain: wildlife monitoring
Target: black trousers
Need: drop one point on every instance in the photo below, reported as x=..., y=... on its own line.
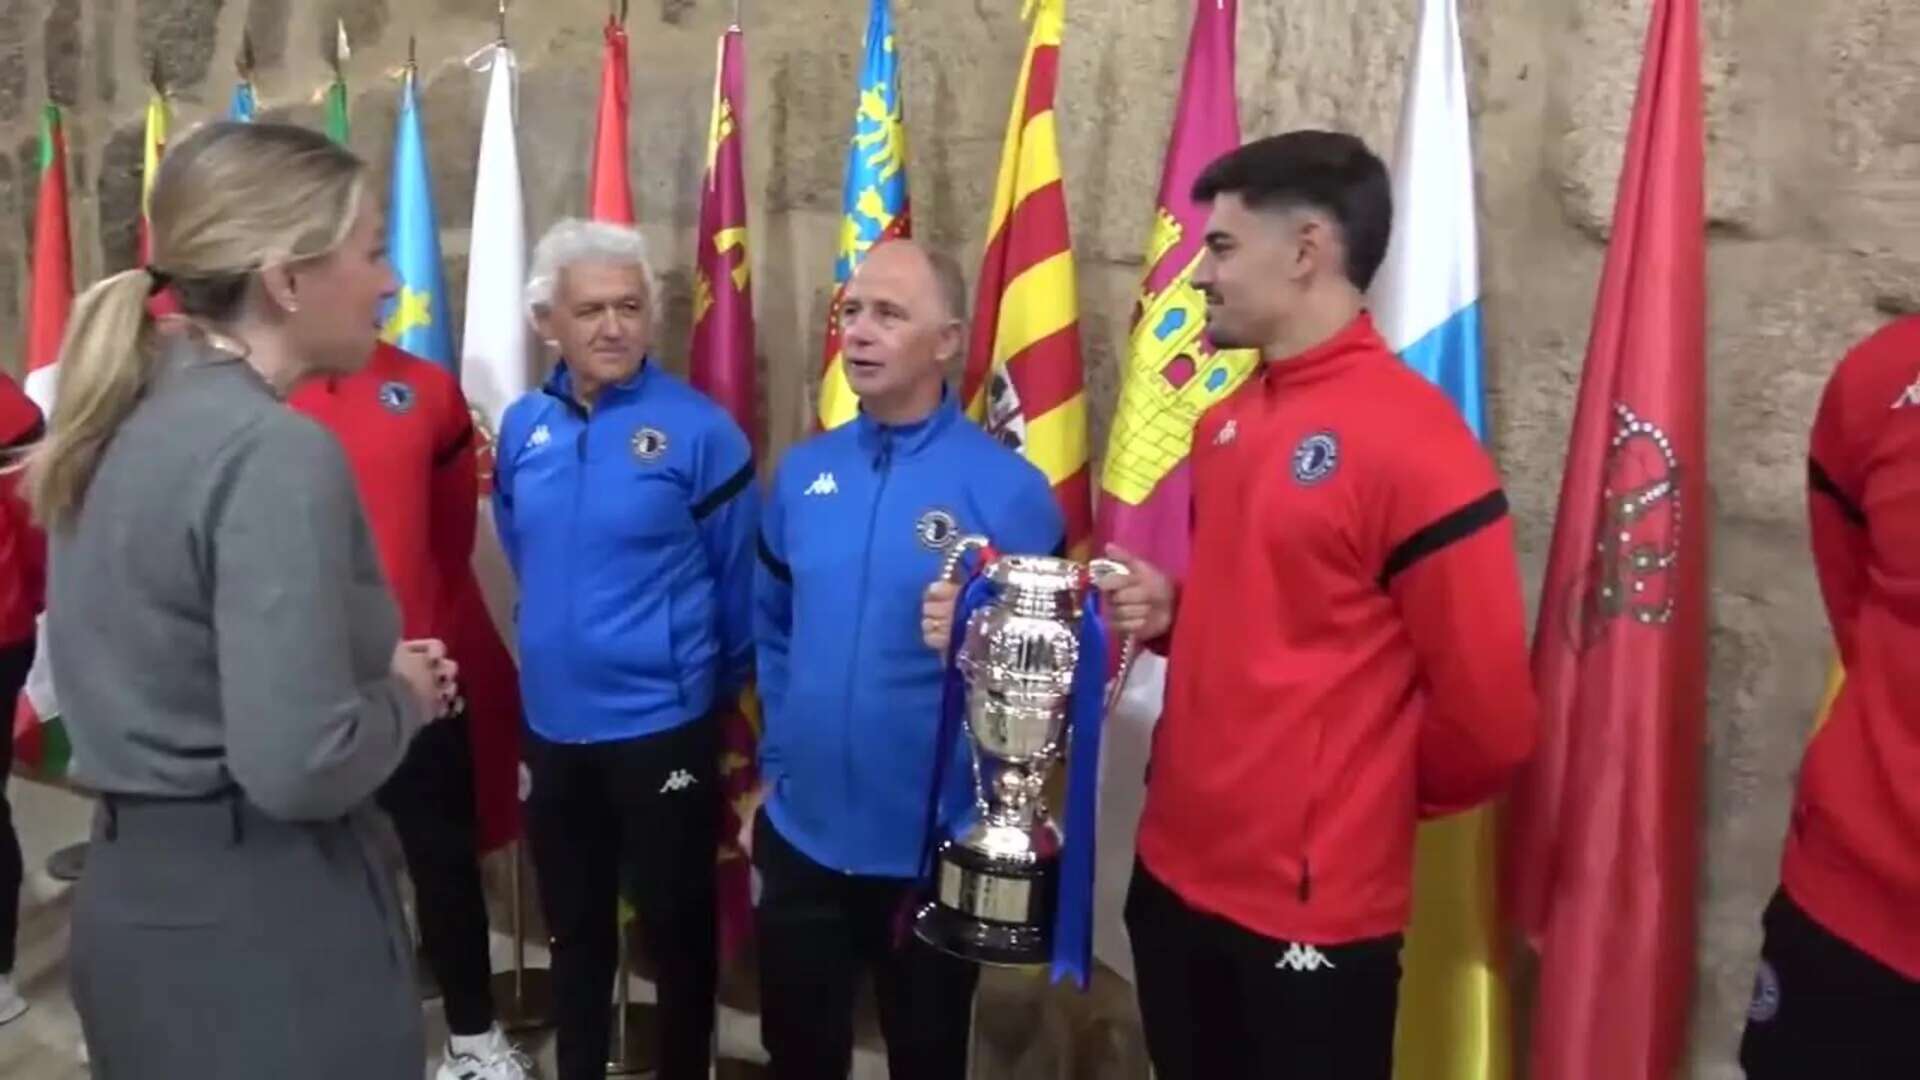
x=643, y=813
x=1823, y=1008
x=1220, y=1002
x=15, y=660
x=820, y=930
x=430, y=799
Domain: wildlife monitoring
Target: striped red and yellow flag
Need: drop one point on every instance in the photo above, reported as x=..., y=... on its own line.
x=1024, y=380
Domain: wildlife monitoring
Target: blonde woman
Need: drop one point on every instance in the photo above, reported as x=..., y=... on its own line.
x=227, y=653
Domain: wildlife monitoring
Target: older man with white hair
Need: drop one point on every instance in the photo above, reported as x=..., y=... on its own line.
x=624, y=500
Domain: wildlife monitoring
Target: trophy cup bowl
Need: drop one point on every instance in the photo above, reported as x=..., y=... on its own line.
x=997, y=881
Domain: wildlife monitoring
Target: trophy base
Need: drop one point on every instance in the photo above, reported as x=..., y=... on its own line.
x=990, y=911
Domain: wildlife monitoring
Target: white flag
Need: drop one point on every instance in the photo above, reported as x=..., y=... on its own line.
x=493, y=348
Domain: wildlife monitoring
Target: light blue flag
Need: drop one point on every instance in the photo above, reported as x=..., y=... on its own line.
x=242, y=106
x=417, y=317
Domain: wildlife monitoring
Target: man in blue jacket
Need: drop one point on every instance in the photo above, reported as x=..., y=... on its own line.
x=624, y=502
x=855, y=527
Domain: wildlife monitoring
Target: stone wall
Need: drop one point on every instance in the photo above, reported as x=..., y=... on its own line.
x=1814, y=155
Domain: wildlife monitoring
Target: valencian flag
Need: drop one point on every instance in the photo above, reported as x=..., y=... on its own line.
x=1024, y=379
x=39, y=738
x=609, y=194
x=1173, y=374
x=1604, y=824
x=721, y=365
x=1454, y=1020
x=874, y=198
x=416, y=318
x=336, y=92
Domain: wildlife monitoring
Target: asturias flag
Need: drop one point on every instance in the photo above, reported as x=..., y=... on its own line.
x=417, y=319
x=874, y=199
x=1024, y=379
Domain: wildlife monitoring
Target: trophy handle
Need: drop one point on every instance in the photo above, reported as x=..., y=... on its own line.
x=957, y=551
x=1129, y=647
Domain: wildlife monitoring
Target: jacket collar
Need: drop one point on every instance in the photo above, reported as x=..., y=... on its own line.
x=559, y=384
x=1356, y=341
x=906, y=439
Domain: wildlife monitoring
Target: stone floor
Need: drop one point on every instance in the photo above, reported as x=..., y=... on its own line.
x=1026, y=1029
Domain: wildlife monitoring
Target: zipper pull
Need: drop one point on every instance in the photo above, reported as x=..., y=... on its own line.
x=884, y=459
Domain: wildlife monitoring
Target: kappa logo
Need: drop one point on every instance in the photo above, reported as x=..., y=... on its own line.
x=540, y=437
x=678, y=780
x=1227, y=433
x=936, y=529
x=1300, y=957
x=824, y=484
x=649, y=443
x=396, y=396
x=1910, y=397
x=1315, y=458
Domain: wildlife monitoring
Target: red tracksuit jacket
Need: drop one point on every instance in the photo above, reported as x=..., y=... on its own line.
x=23, y=547
x=1853, y=846
x=404, y=425
x=1348, y=650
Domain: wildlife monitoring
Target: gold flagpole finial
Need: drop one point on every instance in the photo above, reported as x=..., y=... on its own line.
x=622, y=12
x=413, y=62
x=341, y=49
x=502, y=26
x=155, y=77
x=244, y=62
x=737, y=5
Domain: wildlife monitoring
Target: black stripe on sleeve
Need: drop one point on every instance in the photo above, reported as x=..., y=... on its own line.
x=773, y=564
x=1454, y=527
x=1818, y=480
x=718, y=497
x=454, y=448
x=29, y=436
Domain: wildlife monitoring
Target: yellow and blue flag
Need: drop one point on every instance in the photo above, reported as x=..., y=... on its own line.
x=417, y=319
x=874, y=198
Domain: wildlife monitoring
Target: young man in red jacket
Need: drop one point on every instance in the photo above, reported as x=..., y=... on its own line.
x=23, y=579
x=1347, y=653
x=1838, y=988
x=410, y=440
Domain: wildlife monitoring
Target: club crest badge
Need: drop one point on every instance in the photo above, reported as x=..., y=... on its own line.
x=936, y=529
x=649, y=443
x=1315, y=458
x=396, y=396
x=1766, y=995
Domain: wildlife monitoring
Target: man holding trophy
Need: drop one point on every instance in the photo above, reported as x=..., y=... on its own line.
x=857, y=522
x=1347, y=653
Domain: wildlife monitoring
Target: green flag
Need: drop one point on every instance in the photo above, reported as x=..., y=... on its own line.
x=337, y=111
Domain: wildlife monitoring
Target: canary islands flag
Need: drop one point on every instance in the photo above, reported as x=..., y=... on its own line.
x=416, y=319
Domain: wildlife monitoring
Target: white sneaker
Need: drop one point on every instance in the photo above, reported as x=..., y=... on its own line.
x=12, y=1005
x=497, y=1060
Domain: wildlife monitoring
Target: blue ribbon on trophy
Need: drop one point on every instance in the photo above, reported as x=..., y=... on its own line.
x=1025, y=680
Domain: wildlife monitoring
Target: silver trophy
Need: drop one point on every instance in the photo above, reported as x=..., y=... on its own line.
x=996, y=883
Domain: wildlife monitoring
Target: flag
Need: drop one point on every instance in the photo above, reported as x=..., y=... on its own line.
x=609, y=193
x=721, y=365
x=416, y=318
x=873, y=200
x=52, y=286
x=1173, y=374
x=1024, y=379
x=1454, y=1020
x=39, y=737
x=1835, y=676
x=159, y=117
x=337, y=127
x=241, y=106
x=493, y=374
x=1603, y=830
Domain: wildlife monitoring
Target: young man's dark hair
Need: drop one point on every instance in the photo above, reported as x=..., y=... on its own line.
x=1323, y=170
